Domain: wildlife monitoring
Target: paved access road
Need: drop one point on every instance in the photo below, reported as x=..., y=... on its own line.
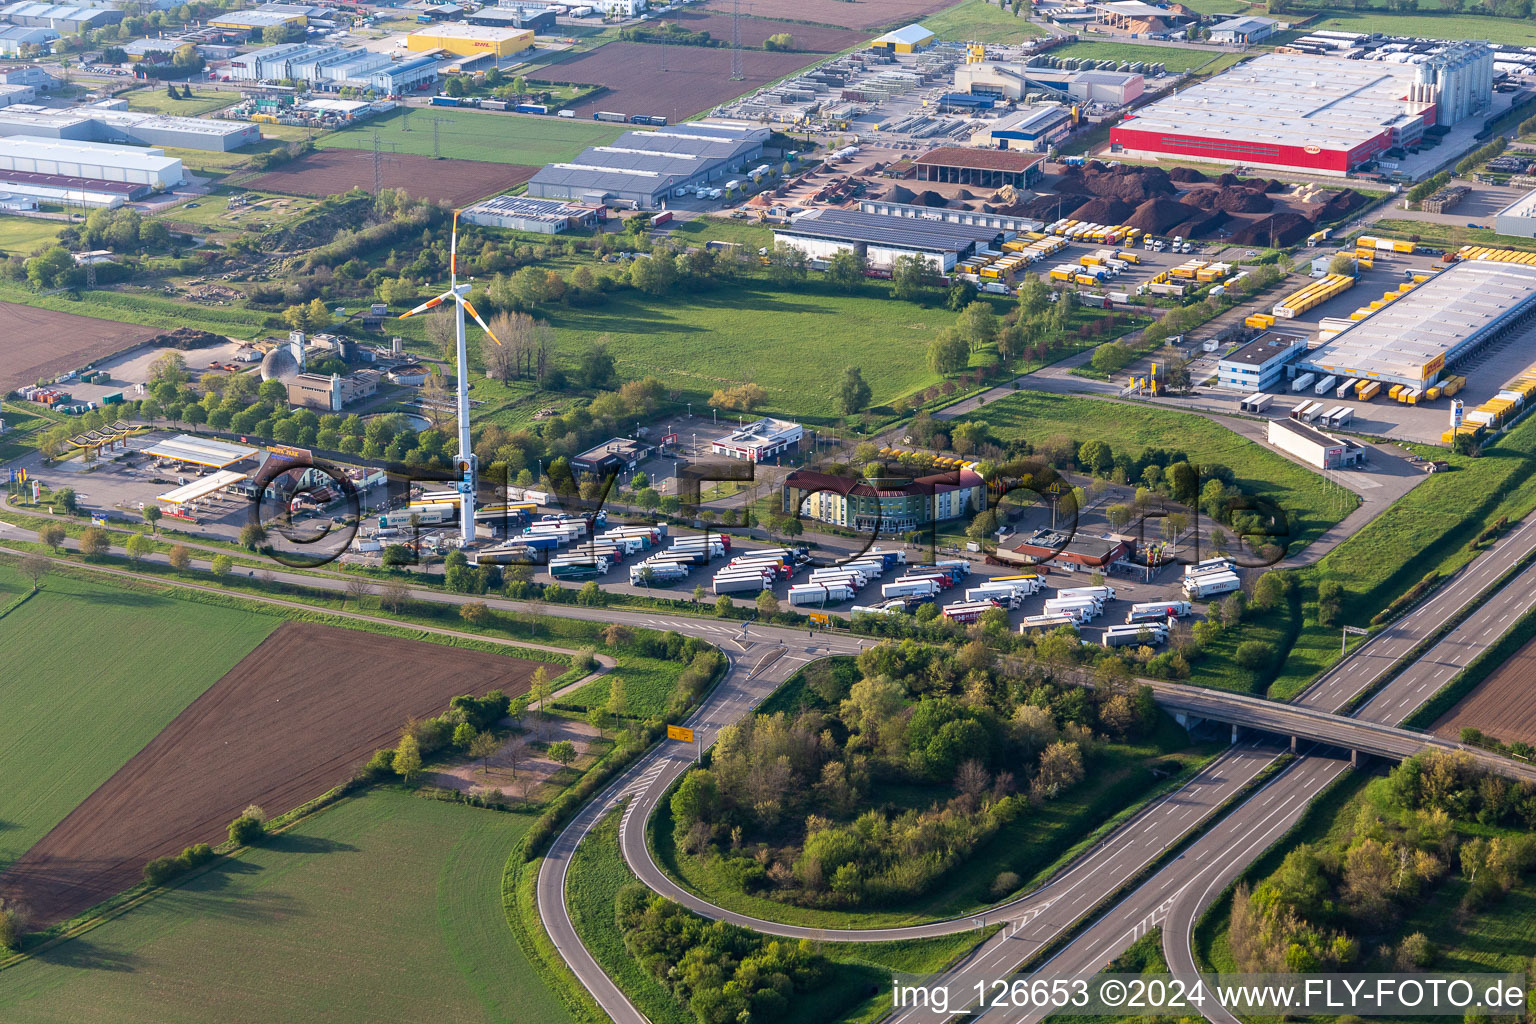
x=770, y=658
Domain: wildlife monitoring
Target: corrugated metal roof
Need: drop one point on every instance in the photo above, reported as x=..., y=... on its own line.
x=1447, y=311
x=878, y=229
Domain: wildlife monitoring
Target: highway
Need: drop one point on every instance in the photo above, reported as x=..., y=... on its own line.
x=1200, y=873
x=1176, y=896
x=760, y=664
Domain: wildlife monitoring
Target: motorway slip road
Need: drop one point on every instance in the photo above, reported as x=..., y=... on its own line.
x=1267, y=815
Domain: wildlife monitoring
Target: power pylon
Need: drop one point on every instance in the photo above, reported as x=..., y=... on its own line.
x=736, y=42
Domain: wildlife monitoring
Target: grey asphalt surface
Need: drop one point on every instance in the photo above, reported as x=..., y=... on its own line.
x=1038, y=919
x=1192, y=880
x=1179, y=893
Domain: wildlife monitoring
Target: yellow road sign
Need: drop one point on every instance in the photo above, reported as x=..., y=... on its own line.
x=820, y=618
x=678, y=732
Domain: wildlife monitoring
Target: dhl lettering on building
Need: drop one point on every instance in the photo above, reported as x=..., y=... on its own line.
x=467, y=40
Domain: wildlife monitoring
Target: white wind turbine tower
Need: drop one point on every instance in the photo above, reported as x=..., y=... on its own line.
x=464, y=464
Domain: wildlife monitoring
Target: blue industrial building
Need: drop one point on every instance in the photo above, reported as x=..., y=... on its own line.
x=1261, y=364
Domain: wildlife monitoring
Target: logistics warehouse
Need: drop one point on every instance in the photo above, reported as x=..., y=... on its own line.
x=1322, y=114
x=1412, y=341
x=641, y=169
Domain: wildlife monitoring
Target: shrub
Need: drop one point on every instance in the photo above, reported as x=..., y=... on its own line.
x=1254, y=654
x=1004, y=883
x=194, y=856
x=12, y=924
x=244, y=831
x=160, y=870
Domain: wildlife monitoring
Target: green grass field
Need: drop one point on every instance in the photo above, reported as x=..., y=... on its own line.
x=478, y=135
x=77, y=711
x=976, y=21
x=1425, y=531
x=597, y=874
x=758, y=333
x=1177, y=58
x=648, y=682
x=1307, y=499
x=25, y=235
x=1034, y=845
x=1516, y=31
x=213, y=213
x=144, y=308
x=383, y=907
x=153, y=98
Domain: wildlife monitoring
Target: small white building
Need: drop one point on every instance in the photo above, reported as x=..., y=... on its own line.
x=759, y=441
x=1314, y=447
x=1244, y=31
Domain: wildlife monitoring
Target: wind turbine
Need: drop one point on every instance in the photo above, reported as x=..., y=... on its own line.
x=464, y=463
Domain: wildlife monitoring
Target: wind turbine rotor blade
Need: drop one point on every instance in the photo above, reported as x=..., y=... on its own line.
x=453, y=246
x=427, y=305
x=483, y=326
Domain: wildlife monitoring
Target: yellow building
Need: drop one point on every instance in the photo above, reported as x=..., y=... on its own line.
x=468, y=40
x=904, y=40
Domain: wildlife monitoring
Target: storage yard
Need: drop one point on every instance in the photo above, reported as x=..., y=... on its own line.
x=254, y=737
x=331, y=171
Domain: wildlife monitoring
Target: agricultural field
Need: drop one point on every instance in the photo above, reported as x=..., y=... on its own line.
x=153, y=98
x=1514, y=31
x=1036, y=416
x=693, y=79
x=755, y=332
x=1502, y=705
x=383, y=907
x=41, y=343
x=755, y=31
x=23, y=236
x=860, y=14
x=976, y=21
x=478, y=135
x=333, y=171
x=1176, y=58
x=56, y=743
x=56, y=315
x=294, y=718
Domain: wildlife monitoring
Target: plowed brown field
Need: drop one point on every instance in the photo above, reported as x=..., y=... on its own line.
x=332, y=171
x=1503, y=705
x=293, y=719
x=38, y=343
